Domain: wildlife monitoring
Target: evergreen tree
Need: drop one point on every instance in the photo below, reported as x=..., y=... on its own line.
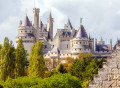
x=7, y=54
x=36, y=60
x=20, y=59
x=60, y=68
x=76, y=69
x=11, y=60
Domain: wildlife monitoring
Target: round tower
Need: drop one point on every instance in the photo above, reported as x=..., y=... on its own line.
x=25, y=31
x=80, y=42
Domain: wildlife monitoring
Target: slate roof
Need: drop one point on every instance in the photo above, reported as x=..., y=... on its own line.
x=81, y=33
x=68, y=25
x=25, y=35
x=80, y=46
x=27, y=22
x=55, y=50
x=118, y=42
x=44, y=52
x=64, y=33
x=102, y=48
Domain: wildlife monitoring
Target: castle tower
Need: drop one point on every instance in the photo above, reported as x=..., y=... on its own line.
x=36, y=22
x=26, y=32
x=50, y=27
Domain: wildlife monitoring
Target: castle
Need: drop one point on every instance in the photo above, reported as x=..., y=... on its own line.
x=66, y=42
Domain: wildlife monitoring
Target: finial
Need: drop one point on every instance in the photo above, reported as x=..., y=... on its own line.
x=20, y=23
x=26, y=11
x=81, y=21
x=101, y=38
x=50, y=14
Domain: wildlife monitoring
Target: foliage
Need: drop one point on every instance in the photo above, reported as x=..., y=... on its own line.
x=69, y=60
x=55, y=81
x=85, y=67
x=7, y=62
x=47, y=74
x=60, y=68
x=36, y=61
x=53, y=71
x=68, y=68
x=20, y=59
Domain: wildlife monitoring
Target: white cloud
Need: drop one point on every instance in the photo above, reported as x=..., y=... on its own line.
x=100, y=17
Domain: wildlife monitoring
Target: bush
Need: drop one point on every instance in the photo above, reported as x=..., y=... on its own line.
x=55, y=81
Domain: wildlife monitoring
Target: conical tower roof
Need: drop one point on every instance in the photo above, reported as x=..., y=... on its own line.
x=81, y=32
x=69, y=25
x=27, y=22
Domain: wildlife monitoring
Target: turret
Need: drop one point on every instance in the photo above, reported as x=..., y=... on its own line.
x=36, y=22
x=50, y=27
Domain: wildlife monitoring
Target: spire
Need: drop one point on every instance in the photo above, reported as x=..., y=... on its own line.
x=20, y=22
x=68, y=25
x=26, y=11
x=50, y=16
x=27, y=21
x=81, y=21
x=81, y=33
x=101, y=39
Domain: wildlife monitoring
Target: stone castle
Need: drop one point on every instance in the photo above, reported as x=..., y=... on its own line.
x=66, y=42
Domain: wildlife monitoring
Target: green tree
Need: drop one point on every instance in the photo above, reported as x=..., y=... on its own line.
x=11, y=60
x=0, y=46
x=7, y=64
x=55, y=81
x=69, y=60
x=20, y=59
x=36, y=60
x=60, y=68
x=76, y=68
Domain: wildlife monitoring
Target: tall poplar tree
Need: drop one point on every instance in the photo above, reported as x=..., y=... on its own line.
x=36, y=60
x=20, y=59
x=7, y=56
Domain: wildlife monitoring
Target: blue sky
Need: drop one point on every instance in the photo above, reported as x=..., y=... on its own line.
x=100, y=17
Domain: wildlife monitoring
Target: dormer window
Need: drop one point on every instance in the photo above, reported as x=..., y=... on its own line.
x=25, y=31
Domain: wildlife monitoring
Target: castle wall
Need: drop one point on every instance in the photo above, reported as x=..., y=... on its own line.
x=65, y=45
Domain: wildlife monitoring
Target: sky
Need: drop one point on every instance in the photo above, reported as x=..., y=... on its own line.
x=101, y=18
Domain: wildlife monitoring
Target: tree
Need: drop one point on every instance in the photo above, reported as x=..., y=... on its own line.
x=69, y=60
x=7, y=64
x=20, y=59
x=0, y=46
x=11, y=60
x=36, y=61
x=76, y=69
x=60, y=68
x=55, y=81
